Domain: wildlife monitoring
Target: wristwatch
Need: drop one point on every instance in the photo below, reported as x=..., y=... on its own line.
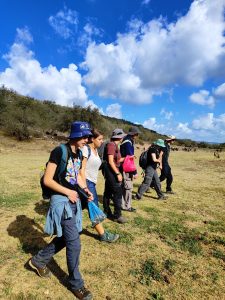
x=117, y=174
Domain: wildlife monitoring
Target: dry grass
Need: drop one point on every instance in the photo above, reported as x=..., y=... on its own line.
x=168, y=250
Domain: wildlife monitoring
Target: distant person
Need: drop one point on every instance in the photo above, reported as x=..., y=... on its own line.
x=166, y=169
x=62, y=215
x=155, y=152
x=90, y=167
x=113, y=177
x=127, y=148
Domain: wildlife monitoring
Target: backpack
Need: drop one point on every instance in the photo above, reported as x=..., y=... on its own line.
x=143, y=159
x=46, y=191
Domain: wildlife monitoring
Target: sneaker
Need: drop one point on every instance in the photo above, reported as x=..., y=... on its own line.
x=170, y=192
x=121, y=220
x=82, y=294
x=109, y=237
x=136, y=197
x=163, y=197
x=42, y=272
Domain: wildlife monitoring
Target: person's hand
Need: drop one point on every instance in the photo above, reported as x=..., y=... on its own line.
x=90, y=195
x=119, y=177
x=73, y=196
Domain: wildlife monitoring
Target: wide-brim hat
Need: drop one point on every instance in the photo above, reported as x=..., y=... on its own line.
x=133, y=130
x=170, y=137
x=79, y=130
x=159, y=143
x=118, y=134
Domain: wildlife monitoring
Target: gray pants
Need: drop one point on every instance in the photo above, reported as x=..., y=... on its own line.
x=150, y=173
x=127, y=190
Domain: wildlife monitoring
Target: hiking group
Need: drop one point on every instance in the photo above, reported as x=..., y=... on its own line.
x=70, y=181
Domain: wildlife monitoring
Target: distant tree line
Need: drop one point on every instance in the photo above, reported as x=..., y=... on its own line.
x=24, y=117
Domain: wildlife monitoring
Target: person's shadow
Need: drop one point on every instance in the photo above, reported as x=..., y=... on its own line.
x=30, y=235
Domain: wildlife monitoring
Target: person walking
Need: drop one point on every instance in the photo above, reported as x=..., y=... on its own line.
x=89, y=172
x=154, y=155
x=127, y=148
x=62, y=214
x=166, y=169
x=113, y=177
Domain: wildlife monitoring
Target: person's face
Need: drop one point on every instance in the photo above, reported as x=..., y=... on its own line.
x=97, y=141
x=79, y=143
x=135, y=136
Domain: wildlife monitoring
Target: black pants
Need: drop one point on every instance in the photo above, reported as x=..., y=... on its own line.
x=166, y=174
x=113, y=190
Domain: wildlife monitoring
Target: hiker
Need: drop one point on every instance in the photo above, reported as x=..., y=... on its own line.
x=127, y=148
x=89, y=172
x=113, y=177
x=153, y=160
x=166, y=169
x=62, y=214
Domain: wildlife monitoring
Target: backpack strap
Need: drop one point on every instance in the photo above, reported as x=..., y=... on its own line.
x=126, y=141
x=64, y=158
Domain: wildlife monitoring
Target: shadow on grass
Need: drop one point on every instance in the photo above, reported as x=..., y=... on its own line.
x=30, y=235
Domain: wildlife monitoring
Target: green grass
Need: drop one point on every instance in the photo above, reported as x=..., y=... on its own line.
x=17, y=200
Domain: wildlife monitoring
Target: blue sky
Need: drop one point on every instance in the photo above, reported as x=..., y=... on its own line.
x=153, y=62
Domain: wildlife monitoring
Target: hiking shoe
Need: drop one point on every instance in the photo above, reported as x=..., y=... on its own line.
x=170, y=192
x=121, y=220
x=42, y=272
x=136, y=197
x=82, y=294
x=109, y=237
x=163, y=197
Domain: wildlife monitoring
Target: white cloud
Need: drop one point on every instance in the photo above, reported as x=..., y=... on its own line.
x=153, y=125
x=220, y=91
x=23, y=35
x=64, y=22
x=89, y=32
x=114, y=110
x=203, y=98
x=167, y=114
x=145, y=2
x=207, y=127
x=28, y=77
x=156, y=55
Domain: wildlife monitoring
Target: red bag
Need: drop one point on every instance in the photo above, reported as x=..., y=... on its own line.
x=128, y=164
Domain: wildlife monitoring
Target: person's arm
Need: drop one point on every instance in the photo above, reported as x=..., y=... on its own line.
x=82, y=183
x=160, y=158
x=154, y=158
x=55, y=186
x=83, y=169
x=114, y=167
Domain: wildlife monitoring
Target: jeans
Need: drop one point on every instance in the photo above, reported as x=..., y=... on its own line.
x=71, y=240
x=127, y=190
x=166, y=174
x=150, y=173
x=113, y=189
x=92, y=188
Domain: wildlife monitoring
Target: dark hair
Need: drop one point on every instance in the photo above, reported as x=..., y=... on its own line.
x=95, y=133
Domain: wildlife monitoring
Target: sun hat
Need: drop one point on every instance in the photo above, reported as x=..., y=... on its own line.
x=159, y=143
x=118, y=134
x=79, y=129
x=170, y=137
x=133, y=130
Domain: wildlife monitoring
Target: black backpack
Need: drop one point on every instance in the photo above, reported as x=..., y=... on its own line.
x=143, y=159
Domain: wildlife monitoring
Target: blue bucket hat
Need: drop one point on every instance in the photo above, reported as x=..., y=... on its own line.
x=79, y=129
x=159, y=143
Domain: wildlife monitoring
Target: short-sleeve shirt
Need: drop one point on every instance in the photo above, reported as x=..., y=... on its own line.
x=113, y=149
x=93, y=164
x=150, y=160
x=74, y=161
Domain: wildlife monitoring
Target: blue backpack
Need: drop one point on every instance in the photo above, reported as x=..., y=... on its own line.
x=46, y=191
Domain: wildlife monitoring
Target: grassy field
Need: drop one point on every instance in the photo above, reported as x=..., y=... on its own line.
x=168, y=250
